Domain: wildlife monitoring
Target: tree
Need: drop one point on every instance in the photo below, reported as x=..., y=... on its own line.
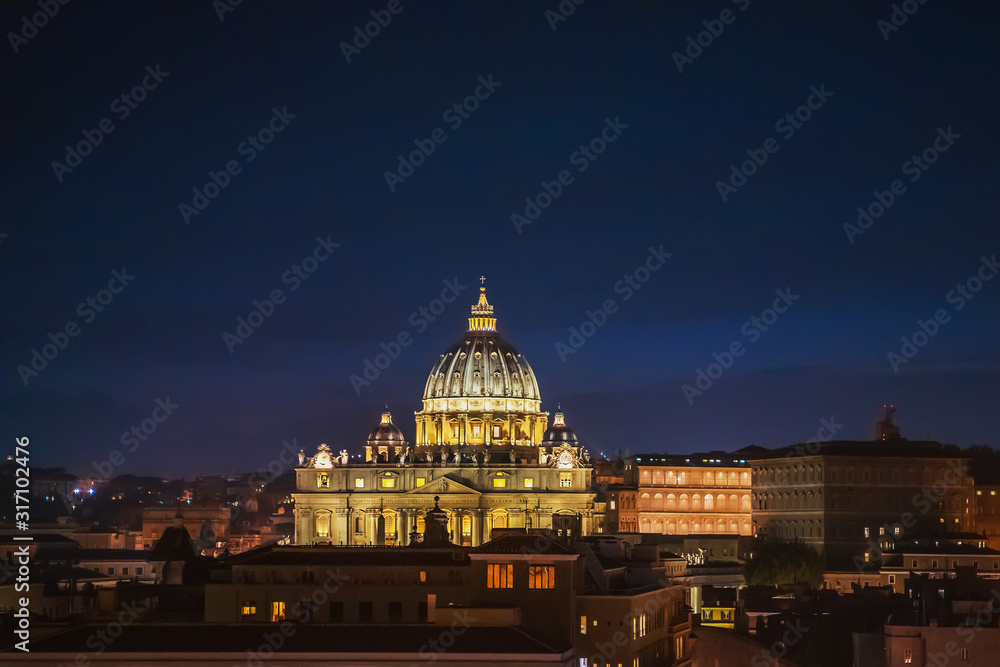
x=777, y=562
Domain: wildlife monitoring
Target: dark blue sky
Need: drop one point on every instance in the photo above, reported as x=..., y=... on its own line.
x=342, y=126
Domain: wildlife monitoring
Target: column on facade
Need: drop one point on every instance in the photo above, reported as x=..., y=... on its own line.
x=488, y=425
x=510, y=428
x=477, y=527
x=403, y=526
x=306, y=532
x=531, y=429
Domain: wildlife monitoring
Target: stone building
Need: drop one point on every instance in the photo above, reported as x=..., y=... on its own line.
x=483, y=445
x=851, y=499
x=681, y=495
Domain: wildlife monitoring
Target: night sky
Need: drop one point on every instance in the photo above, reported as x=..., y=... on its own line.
x=170, y=281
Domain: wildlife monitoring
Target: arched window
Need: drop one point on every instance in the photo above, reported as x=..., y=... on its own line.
x=323, y=520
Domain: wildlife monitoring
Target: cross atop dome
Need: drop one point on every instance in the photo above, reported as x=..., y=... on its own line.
x=482, y=313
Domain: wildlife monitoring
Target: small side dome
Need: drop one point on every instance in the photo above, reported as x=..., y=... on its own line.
x=386, y=433
x=558, y=433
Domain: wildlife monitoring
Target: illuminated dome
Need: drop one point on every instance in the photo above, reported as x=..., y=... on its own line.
x=386, y=433
x=481, y=392
x=559, y=433
x=482, y=364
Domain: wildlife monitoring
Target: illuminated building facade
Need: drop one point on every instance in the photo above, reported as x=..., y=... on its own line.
x=682, y=495
x=483, y=446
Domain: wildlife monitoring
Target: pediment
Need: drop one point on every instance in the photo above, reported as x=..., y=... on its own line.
x=443, y=485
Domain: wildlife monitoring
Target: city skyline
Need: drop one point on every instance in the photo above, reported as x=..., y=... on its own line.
x=748, y=211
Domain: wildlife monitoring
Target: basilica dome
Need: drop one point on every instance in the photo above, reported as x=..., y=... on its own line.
x=481, y=364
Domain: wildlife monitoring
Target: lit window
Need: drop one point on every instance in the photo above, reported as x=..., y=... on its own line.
x=323, y=480
x=881, y=530
x=421, y=481
x=866, y=531
x=475, y=431
x=359, y=482
x=423, y=576
x=541, y=576
x=979, y=493
x=248, y=609
x=993, y=493
x=499, y=575
x=565, y=480
x=454, y=431
x=583, y=625
x=277, y=611
x=897, y=530
x=612, y=504
x=499, y=483
x=529, y=482
x=496, y=431
x=907, y=656
x=388, y=483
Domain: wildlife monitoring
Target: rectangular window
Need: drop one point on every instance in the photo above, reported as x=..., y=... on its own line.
x=277, y=611
x=529, y=482
x=111, y=570
x=499, y=483
x=124, y=571
x=337, y=611
x=965, y=654
x=914, y=562
x=359, y=482
x=496, y=431
x=421, y=481
x=892, y=578
x=323, y=480
x=138, y=571
x=365, y=612
x=423, y=576
x=565, y=480
x=907, y=656
x=388, y=483
x=248, y=609
x=541, y=576
x=612, y=504
x=867, y=531
x=934, y=563
x=395, y=612
x=583, y=625
x=475, y=430
x=499, y=575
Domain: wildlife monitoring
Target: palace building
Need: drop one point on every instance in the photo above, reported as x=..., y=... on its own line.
x=682, y=495
x=483, y=445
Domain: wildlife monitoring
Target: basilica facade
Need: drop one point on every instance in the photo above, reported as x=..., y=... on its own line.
x=484, y=451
